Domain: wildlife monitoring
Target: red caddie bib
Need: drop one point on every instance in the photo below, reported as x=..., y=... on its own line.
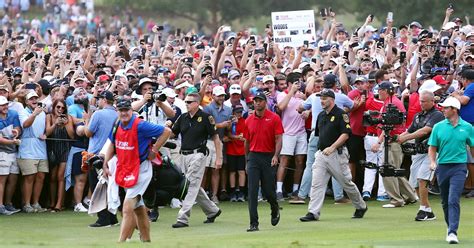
x=128, y=155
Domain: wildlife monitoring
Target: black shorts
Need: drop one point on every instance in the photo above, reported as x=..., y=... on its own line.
x=76, y=164
x=236, y=163
x=355, y=145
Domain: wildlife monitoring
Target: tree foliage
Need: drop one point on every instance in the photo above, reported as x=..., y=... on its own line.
x=212, y=13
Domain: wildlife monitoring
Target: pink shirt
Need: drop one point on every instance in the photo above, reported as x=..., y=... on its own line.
x=293, y=123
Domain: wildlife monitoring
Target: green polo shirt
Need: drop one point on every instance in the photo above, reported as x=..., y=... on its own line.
x=451, y=141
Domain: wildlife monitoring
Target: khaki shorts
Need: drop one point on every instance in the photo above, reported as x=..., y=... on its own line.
x=32, y=166
x=211, y=158
x=8, y=164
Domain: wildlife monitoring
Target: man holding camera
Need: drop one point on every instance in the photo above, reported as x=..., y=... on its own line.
x=195, y=127
x=420, y=130
x=397, y=188
x=155, y=113
x=132, y=141
x=332, y=158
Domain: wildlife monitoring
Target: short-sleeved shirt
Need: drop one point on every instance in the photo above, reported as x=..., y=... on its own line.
x=101, y=124
x=32, y=147
x=398, y=129
x=236, y=147
x=313, y=102
x=194, y=130
x=11, y=121
x=451, y=141
x=293, y=122
x=330, y=126
x=75, y=111
x=220, y=114
x=260, y=132
x=467, y=111
x=414, y=107
x=356, y=115
x=425, y=118
x=146, y=131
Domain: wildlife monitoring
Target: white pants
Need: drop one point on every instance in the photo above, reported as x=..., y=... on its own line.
x=369, y=174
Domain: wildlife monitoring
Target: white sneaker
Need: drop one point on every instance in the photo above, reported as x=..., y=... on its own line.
x=80, y=208
x=452, y=238
x=38, y=209
x=175, y=203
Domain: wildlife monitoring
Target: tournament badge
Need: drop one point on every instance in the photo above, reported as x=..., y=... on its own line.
x=332, y=118
x=199, y=119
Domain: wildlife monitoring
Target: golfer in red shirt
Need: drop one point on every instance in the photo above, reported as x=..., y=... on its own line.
x=262, y=148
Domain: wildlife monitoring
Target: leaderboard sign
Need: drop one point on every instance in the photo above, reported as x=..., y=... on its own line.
x=292, y=28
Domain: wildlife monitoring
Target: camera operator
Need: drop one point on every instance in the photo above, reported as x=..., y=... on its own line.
x=419, y=130
x=155, y=113
x=397, y=188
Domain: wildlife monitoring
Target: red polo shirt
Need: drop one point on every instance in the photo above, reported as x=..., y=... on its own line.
x=260, y=131
x=375, y=105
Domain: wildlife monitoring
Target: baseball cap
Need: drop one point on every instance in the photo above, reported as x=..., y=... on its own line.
x=107, y=95
x=268, y=78
x=260, y=95
x=360, y=79
x=416, y=24
x=451, y=102
x=224, y=71
x=191, y=89
x=352, y=68
x=30, y=95
x=124, y=104
x=385, y=85
x=182, y=85
x=457, y=19
x=369, y=28
x=4, y=87
x=103, y=78
x=233, y=74
x=449, y=25
x=143, y=81
x=439, y=79
x=328, y=93
x=218, y=91
x=429, y=85
x=235, y=89
x=3, y=100
x=469, y=34
x=237, y=107
x=329, y=81
x=169, y=92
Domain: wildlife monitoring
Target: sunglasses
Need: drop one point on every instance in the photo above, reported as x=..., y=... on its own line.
x=189, y=102
x=60, y=107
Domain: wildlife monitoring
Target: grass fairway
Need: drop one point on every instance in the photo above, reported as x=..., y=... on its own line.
x=379, y=228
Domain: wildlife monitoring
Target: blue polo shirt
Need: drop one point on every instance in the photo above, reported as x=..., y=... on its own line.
x=146, y=131
x=75, y=111
x=467, y=111
x=101, y=124
x=32, y=147
x=220, y=115
x=12, y=120
x=451, y=141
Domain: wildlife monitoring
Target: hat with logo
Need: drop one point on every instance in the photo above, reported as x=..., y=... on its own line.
x=439, y=79
x=124, y=104
x=31, y=94
x=169, y=92
x=235, y=89
x=328, y=93
x=451, y=102
x=107, y=95
x=3, y=100
x=237, y=107
x=260, y=95
x=329, y=81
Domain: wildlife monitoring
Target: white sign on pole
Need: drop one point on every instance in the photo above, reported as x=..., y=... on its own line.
x=292, y=28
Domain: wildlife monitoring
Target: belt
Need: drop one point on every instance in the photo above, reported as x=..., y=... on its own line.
x=372, y=134
x=188, y=152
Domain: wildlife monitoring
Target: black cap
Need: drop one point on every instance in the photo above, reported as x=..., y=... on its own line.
x=124, y=104
x=329, y=81
x=107, y=95
x=260, y=95
x=237, y=107
x=328, y=93
x=44, y=86
x=385, y=85
x=372, y=76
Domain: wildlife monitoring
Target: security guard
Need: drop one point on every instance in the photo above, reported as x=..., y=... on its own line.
x=332, y=158
x=420, y=130
x=195, y=127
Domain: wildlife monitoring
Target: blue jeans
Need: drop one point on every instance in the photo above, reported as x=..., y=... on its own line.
x=451, y=179
x=305, y=186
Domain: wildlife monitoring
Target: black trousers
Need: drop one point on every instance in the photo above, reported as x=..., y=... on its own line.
x=103, y=217
x=259, y=170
